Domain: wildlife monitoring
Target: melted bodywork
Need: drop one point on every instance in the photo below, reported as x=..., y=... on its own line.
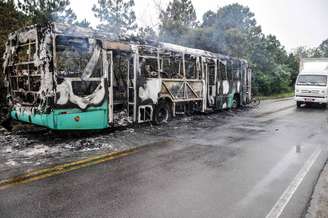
x=67, y=77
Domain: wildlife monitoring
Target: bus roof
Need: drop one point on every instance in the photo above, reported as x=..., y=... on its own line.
x=67, y=29
x=73, y=30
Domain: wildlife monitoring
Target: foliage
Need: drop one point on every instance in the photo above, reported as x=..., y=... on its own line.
x=83, y=23
x=147, y=33
x=320, y=51
x=323, y=48
x=230, y=30
x=116, y=16
x=176, y=21
x=233, y=30
x=43, y=11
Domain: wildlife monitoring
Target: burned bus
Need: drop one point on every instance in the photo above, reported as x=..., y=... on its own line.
x=65, y=77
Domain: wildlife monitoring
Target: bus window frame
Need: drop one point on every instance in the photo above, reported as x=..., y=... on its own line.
x=55, y=56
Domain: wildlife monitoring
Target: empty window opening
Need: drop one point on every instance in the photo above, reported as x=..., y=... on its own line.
x=145, y=113
x=149, y=67
x=171, y=66
x=76, y=55
x=191, y=67
x=24, y=78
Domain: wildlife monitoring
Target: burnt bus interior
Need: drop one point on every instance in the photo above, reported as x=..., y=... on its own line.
x=171, y=65
x=122, y=67
x=23, y=76
x=72, y=57
x=140, y=76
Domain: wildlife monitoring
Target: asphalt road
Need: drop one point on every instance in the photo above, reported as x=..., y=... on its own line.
x=243, y=165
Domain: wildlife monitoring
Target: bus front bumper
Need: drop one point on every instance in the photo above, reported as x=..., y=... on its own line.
x=66, y=119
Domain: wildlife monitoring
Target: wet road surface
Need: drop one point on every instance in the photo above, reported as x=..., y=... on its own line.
x=219, y=165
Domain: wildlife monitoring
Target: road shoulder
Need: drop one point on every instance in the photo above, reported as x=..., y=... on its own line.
x=318, y=207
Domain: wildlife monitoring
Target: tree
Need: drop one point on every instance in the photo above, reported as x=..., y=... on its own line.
x=276, y=50
x=83, y=23
x=43, y=11
x=147, y=33
x=178, y=18
x=323, y=48
x=116, y=16
x=293, y=63
x=231, y=30
x=10, y=20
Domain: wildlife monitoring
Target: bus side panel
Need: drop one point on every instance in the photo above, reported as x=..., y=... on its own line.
x=75, y=119
x=46, y=120
x=79, y=121
x=68, y=119
x=230, y=99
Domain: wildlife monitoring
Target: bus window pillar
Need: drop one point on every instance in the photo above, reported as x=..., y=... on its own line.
x=204, y=80
x=108, y=74
x=183, y=66
x=158, y=64
x=198, y=68
x=215, y=76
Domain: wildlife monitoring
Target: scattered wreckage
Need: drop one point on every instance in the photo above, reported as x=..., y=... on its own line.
x=70, y=78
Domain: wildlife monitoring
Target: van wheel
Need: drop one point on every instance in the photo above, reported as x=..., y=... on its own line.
x=162, y=113
x=324, y=105
x=298, y=104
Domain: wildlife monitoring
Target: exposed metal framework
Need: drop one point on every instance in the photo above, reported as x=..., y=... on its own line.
x=59, y=67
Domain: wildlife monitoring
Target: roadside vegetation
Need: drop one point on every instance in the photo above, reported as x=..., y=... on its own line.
x=277, y=96
x=230, y=30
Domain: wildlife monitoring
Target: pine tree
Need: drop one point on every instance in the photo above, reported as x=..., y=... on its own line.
x=231, y=30
x=116, y=16
x=176, y=20
x=147, y=33
x=83, y=23
x=43, y=11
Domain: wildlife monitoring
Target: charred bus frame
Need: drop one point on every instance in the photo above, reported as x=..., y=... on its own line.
x=66, y=78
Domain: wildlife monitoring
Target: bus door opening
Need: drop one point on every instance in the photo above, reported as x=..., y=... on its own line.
x=122, y=65
x=211, y=82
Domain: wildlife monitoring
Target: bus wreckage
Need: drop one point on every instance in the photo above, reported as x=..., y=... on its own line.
x=65, y=77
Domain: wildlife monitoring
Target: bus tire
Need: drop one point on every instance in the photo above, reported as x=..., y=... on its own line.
x=298, y=104
x=235, y=102
x=162, y=113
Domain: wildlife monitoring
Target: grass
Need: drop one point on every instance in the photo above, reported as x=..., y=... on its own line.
x=277, y=96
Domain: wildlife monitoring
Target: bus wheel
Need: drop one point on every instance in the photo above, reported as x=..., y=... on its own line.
x=235, y=102
x=162, y=113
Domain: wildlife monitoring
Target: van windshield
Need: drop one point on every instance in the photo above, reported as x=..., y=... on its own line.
x=312, y=80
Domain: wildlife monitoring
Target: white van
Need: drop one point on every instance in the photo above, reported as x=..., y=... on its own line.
x=311, y=84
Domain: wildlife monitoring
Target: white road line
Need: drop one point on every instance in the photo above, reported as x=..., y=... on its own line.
x=280, y=205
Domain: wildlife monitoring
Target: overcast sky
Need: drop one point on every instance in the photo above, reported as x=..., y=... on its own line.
x=294, y=22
